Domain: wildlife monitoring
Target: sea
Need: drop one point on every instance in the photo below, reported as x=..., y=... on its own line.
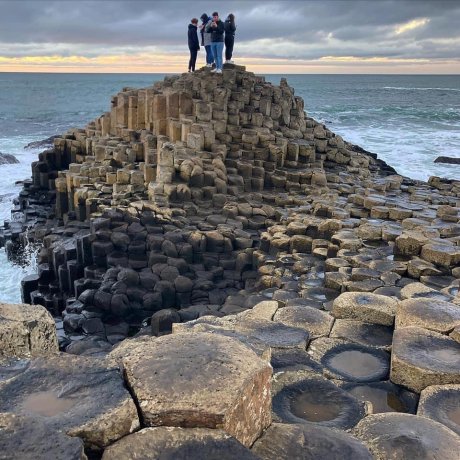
x=408, y=120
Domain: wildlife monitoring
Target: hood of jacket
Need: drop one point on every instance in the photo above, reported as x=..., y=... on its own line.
x=192, y=26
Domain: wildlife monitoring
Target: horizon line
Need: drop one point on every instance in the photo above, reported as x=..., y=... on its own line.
x=263, y=73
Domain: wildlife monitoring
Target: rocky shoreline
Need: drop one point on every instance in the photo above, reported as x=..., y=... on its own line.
x=205, y=234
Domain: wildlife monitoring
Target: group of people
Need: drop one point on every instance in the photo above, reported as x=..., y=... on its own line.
x=214, y=33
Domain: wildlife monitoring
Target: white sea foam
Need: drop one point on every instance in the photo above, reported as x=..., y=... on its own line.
x=402, y=88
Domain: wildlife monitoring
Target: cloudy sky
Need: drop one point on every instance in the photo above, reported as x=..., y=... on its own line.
x=273, y=36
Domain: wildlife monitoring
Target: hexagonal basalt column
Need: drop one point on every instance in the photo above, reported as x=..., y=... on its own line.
x=404, y=436
x=421, y=358
x=201, y=380
x=367, y=307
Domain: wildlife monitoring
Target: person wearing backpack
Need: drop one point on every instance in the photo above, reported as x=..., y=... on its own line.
x=206, y=39
x=216, y=27
x=230, y=28
x=193, y=44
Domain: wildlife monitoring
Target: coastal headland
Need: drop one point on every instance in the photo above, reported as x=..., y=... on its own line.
x=221, y=276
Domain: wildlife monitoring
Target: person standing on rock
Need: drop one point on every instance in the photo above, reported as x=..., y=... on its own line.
x=193, y=44
x=216, y=27
x=206, y=39
x=230, y=29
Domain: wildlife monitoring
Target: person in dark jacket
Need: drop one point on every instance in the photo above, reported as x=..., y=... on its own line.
x=193, y=44
x=206, y=39
x=216, y=27
x=230, y=28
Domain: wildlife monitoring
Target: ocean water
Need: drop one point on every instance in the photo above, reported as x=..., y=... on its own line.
x=407, y=120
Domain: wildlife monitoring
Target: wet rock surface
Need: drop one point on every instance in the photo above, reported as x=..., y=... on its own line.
x=421, y=358
x=169, y=443
x=27, y=439
x=303, y=397
x=350, y=361
x=282, y=441
x=402, y=436
x=7, y=159
x=76, y=395
x=441, y=403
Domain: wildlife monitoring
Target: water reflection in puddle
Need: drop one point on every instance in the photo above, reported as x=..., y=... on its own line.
x=47, y=403
x=306, y=406
x=382, y=401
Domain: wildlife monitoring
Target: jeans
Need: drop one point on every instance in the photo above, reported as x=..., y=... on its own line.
x=217, y=49
x=209, y=56
x=229, y=42
x=192, y=61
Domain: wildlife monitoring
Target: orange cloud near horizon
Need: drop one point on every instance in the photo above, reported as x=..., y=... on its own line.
x=166, y=63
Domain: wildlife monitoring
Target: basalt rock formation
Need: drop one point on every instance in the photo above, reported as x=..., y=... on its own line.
x=205, y=227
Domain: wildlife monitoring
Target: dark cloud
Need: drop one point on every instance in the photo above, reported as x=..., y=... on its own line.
x=293, y=29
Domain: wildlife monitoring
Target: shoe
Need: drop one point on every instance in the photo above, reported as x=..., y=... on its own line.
x=214, y=71
x=230, y=62
x=218, y=71
x=208, y=65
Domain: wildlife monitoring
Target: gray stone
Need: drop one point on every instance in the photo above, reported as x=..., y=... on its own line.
x=201, y=380
x=442, y=404
x=305, y=442
x=26, y=438
x=168, y=443
x=369, y=308
x=421, y=358
x=404, y=436
x=26, y=330
x=77, y=395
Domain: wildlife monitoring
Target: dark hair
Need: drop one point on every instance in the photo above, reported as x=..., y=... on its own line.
x=215, y=13
x=231, y=18
x=204, y=17
x=194, y=21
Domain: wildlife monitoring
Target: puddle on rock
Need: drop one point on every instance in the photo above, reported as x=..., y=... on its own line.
x=355, y=363
x=454, y=415
x=47, y=403
x=307, y=407
x=382, y=401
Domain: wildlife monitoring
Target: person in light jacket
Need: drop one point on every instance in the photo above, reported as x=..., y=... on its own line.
x=216, y=27
x=230, y=28
x=193, y=44
x=206, y=39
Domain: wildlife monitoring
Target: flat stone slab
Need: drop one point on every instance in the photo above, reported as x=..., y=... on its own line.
x=171, y=443
x=26, y=330
x=366, y=307
x=26, y=438
x=201, y=380
x=405, y=436
x=292, y=441
x=371, y=335
x=350, y=361
x=421, y=358
x=270, y=333
x=420, y=290
x=316, y=322
x=436, y=315
x=441, y=403
x=284, y=359
x=77, y=395
x=305, y=397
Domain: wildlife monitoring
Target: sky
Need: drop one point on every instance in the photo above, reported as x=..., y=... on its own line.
x=273, y=36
